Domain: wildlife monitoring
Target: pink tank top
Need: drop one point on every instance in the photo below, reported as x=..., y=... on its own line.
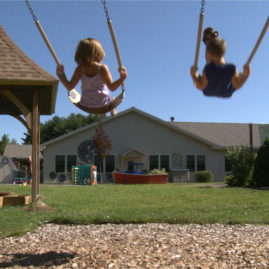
x=95, y=93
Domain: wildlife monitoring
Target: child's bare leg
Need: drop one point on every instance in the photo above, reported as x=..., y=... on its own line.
x=113, y=112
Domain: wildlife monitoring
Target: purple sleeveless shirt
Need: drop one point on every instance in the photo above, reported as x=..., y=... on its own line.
x=95, y=93
x=219, y=80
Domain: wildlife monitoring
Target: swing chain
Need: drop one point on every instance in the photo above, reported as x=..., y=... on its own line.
x=106, y=10
x=31, y=10
x=202, y=7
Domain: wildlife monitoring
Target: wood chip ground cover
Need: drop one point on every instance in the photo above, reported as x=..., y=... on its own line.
x=138, y=246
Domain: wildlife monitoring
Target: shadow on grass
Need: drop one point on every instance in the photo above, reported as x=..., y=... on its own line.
x=66, y=221
x=45, y=259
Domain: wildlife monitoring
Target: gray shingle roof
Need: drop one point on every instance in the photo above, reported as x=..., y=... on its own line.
x=216, y=135
x=18, y=151
x=227, y=134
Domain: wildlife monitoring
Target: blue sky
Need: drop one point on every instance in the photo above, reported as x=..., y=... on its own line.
x=157, y=42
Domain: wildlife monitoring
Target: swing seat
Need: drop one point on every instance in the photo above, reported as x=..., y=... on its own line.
x=74, y=97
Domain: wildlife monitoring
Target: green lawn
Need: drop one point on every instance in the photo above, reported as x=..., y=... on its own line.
x=170, y=203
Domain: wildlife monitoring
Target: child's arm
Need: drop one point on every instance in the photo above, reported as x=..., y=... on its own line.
x=69, y=85
x=106, y=75
x=239, y=79
x=199, y=81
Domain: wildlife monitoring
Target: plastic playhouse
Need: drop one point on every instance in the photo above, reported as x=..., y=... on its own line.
x=84, y=174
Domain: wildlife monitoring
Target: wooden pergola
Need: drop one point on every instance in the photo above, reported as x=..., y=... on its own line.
x=26, y=92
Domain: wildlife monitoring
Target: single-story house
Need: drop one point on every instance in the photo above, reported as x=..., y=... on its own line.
x=179, y=147
x=16, y=162
x=19, y=154
x=7, y=167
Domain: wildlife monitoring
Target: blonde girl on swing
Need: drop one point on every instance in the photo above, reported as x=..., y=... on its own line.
x=96, y=79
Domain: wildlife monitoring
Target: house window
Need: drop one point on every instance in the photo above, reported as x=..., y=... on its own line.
x=110, y=163
x=60, y=163
x=71, y=161
x=200, y=162
x=164, y=162
x=191, y=162
x=228, y=165
x=153, y=162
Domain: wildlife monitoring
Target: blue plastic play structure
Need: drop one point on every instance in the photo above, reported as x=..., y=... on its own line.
x=19, y=177
x=134, y=168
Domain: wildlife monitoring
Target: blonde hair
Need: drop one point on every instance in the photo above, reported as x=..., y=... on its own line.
x=88, y=51
x=216, y=46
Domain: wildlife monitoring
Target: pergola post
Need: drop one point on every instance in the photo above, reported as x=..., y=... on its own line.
x=38, y=163
x=26, y=92
x=35, y=147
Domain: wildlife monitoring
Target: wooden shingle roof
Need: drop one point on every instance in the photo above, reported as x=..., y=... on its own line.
x=21, y=75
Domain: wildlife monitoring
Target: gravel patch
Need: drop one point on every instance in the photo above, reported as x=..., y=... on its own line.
x=138, y=246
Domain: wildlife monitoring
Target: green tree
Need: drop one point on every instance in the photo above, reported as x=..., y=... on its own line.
x=242, y=159
x=261, y=169
x=4, y=141
x=58, y=126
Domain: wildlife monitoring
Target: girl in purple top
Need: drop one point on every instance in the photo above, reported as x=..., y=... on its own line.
x=95, y=77
x=219, y=79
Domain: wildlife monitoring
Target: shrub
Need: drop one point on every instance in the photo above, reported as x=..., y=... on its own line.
x=261, y=168
x=203, y=176
x=230, y=180
x=242, y=160
x=157, y=172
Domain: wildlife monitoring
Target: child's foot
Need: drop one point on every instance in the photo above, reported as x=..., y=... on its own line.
x=113, y=112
